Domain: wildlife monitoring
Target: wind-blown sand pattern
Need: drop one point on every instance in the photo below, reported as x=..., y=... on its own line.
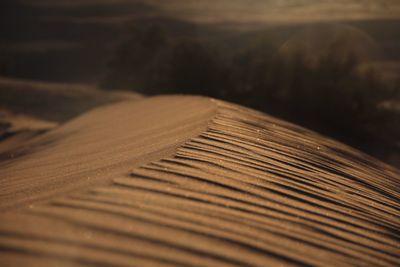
x=223, y=186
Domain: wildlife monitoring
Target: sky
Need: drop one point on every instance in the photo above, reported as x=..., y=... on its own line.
x=253, y=11
x=45, y=32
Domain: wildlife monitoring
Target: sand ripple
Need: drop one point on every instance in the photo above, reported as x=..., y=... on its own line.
x=251, y=190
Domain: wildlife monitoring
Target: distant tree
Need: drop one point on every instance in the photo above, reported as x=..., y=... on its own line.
x=196, y=68
x=138, y=62
x=5, y=63
x=251, y=76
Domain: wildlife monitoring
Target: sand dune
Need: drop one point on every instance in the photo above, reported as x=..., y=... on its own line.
x=54, y=101
x=99, y=145
x=190, y=181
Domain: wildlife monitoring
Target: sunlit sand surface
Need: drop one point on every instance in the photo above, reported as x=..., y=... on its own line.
x=191, y=181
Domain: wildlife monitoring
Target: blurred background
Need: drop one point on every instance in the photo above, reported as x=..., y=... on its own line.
x=332, y=66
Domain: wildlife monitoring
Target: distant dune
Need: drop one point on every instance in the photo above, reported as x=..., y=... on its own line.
x=54, y=101
x=192, y=181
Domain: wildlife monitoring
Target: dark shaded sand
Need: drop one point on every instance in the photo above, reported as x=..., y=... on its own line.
x=54, y=101
x=189, y=181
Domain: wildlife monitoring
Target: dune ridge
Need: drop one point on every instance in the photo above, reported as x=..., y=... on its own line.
x=94, y=147
x=248, y=190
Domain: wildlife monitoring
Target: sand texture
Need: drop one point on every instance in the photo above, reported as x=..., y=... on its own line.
x=190, y=181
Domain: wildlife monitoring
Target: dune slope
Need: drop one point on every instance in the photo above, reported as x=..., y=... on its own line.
x=99, y=145
x=243, y=188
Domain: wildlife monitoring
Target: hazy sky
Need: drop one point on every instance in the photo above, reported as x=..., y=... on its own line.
x=281, y=10
x=82, y=33
x=253, y=11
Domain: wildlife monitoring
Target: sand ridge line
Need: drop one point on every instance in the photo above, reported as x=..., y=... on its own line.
x=249, y=190
x=101, y=144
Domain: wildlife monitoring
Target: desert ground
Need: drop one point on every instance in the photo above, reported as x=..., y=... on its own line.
x=179, y=180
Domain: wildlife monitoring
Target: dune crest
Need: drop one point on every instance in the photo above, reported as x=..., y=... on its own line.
x=93, y=148
x=248, y=189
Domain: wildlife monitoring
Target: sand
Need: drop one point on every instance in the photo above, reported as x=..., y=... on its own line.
x=191, y=181
x=102, y=144
x=55, y=102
